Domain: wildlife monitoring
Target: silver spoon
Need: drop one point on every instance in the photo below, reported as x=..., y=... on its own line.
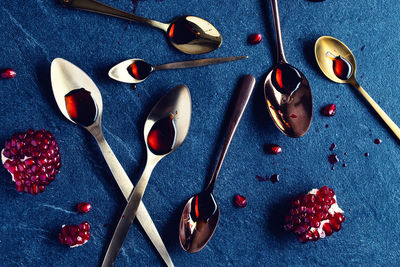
x=66, y=78
x=165, y=129
x=189, y=34
x=200, y=215
x=137, y=70
x=287, y=91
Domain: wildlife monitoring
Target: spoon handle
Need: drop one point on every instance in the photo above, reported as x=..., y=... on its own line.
x=246, y=88
x=98, y=7
x=126, y=187
x=197, y=63
x=128, y=216
x=378, y=109
x=278, y=32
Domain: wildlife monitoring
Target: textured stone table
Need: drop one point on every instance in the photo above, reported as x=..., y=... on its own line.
x=35, y=32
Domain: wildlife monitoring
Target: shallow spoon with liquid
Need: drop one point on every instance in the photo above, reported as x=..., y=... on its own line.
x=337, y=62
x=287, y=91
x=79, y=100
x=189, y=34
x=200, y=215
x=165, y=129
x=137, y=70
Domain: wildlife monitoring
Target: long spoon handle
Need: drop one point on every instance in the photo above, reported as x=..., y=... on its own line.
x=197, y=63
x=98, y=7
x=127, y=218
x=246, y=88
x=278, y=32
x=378, y=109
x=126, y=187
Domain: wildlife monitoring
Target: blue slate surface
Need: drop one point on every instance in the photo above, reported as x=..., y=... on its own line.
x=35, y=32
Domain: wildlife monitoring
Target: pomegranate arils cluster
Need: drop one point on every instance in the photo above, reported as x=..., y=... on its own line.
x=75, y=235
x=33, y=160
x=314, y=215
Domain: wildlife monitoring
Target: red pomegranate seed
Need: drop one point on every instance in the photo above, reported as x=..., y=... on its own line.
x=273, y=149
x=240, y=201
x=8, y=74
x=377, y=141
x=84, y=207
x=274, y=178
x=330, y=110
x=254, y=38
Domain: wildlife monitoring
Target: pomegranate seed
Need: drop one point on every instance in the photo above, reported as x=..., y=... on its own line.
x=240, y=201
x=84, y=207
x=8, y=74
x=273, y=149
x=333, y=159
x=327, y=229
x=254, y=38
x=330, y=110
x=274, y=178
x=377, y=141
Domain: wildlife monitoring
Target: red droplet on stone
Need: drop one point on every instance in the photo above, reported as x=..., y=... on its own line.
x=333, y=159
x=330, y=110
x=274, y=178
x=254, y=38
x=332, y=147
x=273, y=149
x=377, y=141
x=8, y=74
x=240, y=201
x=366, y=154
x=84, y=207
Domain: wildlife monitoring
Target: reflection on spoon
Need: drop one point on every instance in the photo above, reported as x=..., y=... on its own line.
x=189, y=34
x=136, y=70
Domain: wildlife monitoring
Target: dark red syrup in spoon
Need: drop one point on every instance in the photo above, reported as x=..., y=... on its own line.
x=182, y=32
x=341, y=67
x=81, y=107
x=140, y=69
x=162, y=136
x=203, y=207
x=286, y=78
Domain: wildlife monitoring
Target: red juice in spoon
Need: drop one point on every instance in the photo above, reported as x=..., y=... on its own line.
x=162, y=136
x=81, y=107
x=341, y=67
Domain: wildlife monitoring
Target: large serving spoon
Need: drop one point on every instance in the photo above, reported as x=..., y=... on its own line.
x=165, y=129
x=200, y=215
x=137, y=70
x=338, y=63
x=69, y=82
x=189, y=34
x=287, y=91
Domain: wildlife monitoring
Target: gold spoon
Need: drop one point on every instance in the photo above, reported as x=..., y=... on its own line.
x=189, y=34
x=164, y=131
x=333, y=56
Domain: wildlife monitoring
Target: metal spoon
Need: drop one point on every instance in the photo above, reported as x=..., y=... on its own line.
x=200, y=215
x=137, y=70
x=189, y=34
x=287, y=91
x=66, y=77
x=174, y=111
x=335, y=48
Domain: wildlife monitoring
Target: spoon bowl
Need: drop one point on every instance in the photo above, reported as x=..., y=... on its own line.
x=327, y=51
x=188, y=34
x=287, y=91
x=326, y=44
x=195, y=231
